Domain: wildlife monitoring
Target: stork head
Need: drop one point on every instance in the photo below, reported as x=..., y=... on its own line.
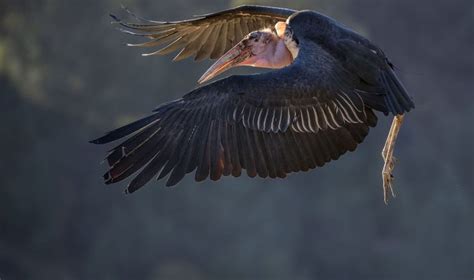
x=310, y=26
x=262, y=48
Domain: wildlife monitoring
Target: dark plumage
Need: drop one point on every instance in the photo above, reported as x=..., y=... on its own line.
x=293, y=119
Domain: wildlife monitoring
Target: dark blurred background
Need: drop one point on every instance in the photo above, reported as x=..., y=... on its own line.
x=66, y=77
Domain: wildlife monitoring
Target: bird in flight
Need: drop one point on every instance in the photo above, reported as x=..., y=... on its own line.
x=317, y=103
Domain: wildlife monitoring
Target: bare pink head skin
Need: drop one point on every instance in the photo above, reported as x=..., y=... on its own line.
x=263, y=49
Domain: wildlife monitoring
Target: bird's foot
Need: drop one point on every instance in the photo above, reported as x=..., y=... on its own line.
x=387, y=176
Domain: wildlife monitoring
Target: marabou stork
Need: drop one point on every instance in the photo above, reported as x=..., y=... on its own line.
x=318, y=104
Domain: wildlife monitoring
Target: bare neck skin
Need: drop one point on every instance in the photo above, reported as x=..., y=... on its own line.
x=274, y=54
x=262, y=48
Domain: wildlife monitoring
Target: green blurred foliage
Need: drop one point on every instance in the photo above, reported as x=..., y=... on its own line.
x=66, y=77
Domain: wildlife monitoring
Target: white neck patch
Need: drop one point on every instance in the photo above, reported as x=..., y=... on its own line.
x=292, y=47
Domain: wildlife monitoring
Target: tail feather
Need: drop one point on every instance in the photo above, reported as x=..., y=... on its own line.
x=396, y=98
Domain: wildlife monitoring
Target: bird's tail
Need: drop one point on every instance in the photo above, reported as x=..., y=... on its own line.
x=396, y=97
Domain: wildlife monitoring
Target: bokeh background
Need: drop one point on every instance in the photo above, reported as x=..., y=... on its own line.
x=66, y=77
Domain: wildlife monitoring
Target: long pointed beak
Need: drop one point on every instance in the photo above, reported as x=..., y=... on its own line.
x=232, y=58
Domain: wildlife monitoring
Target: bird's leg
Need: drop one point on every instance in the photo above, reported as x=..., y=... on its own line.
x=389, y=159
x=390, y=132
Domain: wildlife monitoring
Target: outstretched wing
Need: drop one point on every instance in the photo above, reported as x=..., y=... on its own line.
x=206, y=36
x=271, y=124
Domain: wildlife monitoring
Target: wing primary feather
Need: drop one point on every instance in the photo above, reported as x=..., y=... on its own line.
x=181, y=168
x=125, y=130
x=238, y=31
x=236, y=160
x=179, y=144
x=280, y=154
x=248, y=151
x=152, y=168
x=287, y=152
x=219, y=42
x=266, y=153
x=158, y=39
x=306, y=149
x=130, y=164
x=203, y=49
x=143, y=151
x=204, y=157
x=269, y=154
x=132, y=143
x=323, y=147
x=230, y=41
x=192, y=157
x=174, y=133
x=226, y=144
x=216, y=153
x=260, y=161
x=301, y=156
x=190, y=48
x=244, y=27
